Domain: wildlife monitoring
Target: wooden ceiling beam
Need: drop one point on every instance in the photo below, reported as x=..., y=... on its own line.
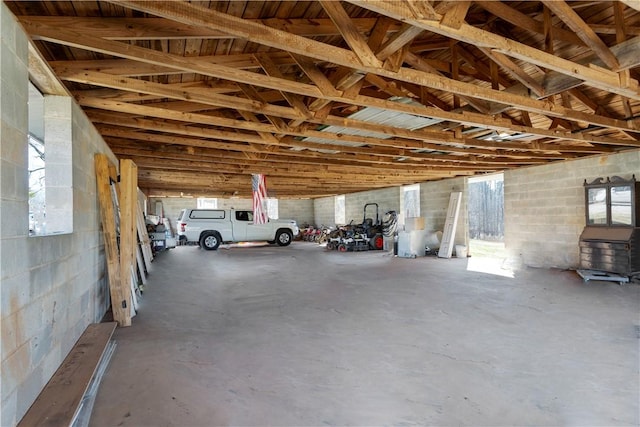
x=632, y=30
x=634, y=4
x=350, y=33
x=198, y=95
x=253, y=94
x=346, y=79
x=42, y=76
x=597, y=77
x=360, y=154
x=397, y=41
x=200, y=16
x=286, y=176
x=271, y=69
x=408, y=160
x=129, y=28
x=436, y=137
x=66, y=36
x=280, y=180
x=135, y=68
x=520, y=20
x=191, y=64
x=456, y=13
x=514, y=70
x=474, y=147
x=171, y=160
x=419, y=64
x=563, y=11
x=426, y=137
x=316, y=75
x=277, y=187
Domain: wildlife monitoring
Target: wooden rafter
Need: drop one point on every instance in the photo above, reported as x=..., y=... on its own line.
x=600, y=78
x=582, y=30
x=422, y=78
x=229, y=89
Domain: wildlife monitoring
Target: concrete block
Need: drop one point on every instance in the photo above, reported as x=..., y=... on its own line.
x=324, y=211
x=39, y=281
x=15, y=75
x=15, y=257
x=31, y=318
x=59, y=175
x=15, y=293
x=59, y=107
x=8, y=97
x=8, y=26
x=58, y=143
x=14, y=369
x=41, y=344
x=14, y=144
x=29, y=390
x=8, y=413
x=10, y=338
x=41, y=250
x=14, y=221
x=60, y=272
x=52, y=361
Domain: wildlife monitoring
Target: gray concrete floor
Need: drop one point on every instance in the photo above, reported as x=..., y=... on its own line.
x=299, y=336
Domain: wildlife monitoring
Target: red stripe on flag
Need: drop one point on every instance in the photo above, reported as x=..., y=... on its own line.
x=259, y=187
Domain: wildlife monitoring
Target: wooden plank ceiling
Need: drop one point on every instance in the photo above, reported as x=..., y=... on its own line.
x=331, y=97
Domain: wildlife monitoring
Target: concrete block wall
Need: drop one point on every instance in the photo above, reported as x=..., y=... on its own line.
x=300, y=210
x=53, y=286
x=58, y=136
x=386, y=198
x=245, y=204
x=324, y=212
x=434, y=202
x=171, y=207
x=544, y=207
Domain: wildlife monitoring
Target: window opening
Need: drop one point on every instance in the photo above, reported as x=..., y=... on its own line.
x=35, y=138
x=411, y=201
x=207, y=203
x=272, y=208
x=340, y=214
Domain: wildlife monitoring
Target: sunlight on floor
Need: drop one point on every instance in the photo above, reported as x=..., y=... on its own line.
x=488, y=257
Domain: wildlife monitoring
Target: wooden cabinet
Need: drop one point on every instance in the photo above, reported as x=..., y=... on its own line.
x=610, y=240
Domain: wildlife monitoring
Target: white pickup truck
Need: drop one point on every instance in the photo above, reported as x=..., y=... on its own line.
x=211, y=227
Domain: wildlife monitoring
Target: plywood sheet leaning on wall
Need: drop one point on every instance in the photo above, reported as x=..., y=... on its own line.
x=143, y=237
x=120, y=290
x=128, y=198
x=451, y=222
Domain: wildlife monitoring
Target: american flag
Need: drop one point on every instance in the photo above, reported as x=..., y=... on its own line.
x=259, y=198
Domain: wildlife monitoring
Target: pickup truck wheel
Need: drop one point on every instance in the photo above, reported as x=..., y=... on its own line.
x=283, y=237
x=210, y=241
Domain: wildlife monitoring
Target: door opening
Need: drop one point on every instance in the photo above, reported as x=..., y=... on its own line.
x=486, y=216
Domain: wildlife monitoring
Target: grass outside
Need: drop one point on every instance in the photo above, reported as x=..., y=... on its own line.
x=487, y=249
